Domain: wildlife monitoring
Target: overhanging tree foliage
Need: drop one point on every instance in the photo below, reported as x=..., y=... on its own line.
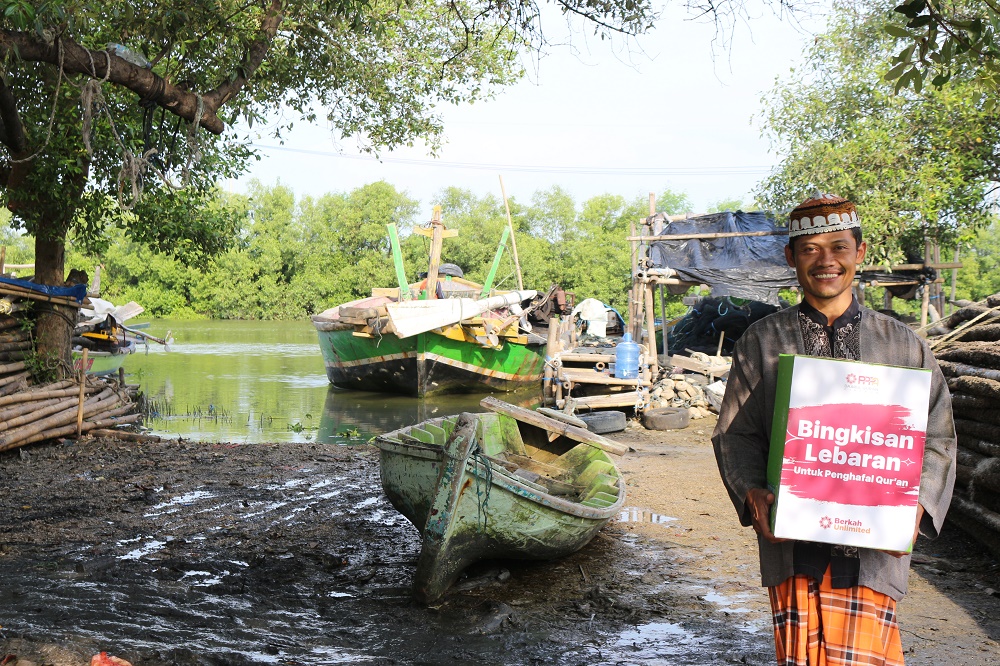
x=942, y=40
x=915, y=163
x=117, y=113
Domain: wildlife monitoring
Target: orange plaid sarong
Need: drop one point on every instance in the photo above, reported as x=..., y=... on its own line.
x=817, y=625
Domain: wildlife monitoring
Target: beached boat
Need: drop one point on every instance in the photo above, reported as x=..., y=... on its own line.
x=102, y=332
x=102, y=362
x=510, y=483
x=444, y=334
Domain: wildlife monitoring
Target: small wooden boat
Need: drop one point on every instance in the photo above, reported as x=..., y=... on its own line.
x=510, y=483
x=101, y=363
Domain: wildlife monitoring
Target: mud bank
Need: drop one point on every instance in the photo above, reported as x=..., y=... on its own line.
x=187, y=553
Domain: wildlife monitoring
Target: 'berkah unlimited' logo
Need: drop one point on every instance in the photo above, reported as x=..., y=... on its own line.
x=825, y=522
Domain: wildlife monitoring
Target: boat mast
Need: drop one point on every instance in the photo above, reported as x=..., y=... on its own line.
x=437, y=233
x=513, y=240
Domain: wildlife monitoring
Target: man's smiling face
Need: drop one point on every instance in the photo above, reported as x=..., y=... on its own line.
x=825, y=265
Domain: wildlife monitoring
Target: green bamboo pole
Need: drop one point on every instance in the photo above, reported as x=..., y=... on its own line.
x=496, y=263
x=397, y=260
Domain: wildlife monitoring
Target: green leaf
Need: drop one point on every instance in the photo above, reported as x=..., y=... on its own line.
x=896, y=71
x=897, y=31
x=941, y=79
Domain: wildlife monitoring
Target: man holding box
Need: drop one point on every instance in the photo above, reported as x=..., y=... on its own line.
x=831, y=603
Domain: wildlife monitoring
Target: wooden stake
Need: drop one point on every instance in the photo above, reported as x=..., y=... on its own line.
x=83, y=386
x=513, y=240
x=654, y=364
x=954, y=280
x=435, y=263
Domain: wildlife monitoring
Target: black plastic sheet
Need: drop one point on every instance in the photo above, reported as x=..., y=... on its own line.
x=750, y=267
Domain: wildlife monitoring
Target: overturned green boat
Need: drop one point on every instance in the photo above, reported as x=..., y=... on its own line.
x=506, y=484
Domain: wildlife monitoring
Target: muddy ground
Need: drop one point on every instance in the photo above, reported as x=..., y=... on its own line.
x=188, y=553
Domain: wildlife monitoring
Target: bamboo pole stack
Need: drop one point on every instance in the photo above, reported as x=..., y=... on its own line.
x=969, y=355
x=15, y=347
x=46, y=412
x=68, y=408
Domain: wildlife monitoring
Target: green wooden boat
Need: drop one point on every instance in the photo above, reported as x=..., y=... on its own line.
x=453, y=359
x=513, y=484
x=366, y=346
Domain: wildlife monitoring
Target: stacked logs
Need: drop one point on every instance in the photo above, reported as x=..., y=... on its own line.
x=69, y=408
x=969, y=355
x=63, y=409
x=15, y=346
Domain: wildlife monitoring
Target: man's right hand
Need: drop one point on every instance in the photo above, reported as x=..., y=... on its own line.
x=759, y=501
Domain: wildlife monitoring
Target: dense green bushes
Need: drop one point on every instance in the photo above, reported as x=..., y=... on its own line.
x=294, y=257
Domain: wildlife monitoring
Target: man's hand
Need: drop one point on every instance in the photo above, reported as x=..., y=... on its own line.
x=916, y=532
x=759, y=501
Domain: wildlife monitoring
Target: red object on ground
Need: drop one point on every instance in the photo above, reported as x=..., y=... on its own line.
x=102, y=659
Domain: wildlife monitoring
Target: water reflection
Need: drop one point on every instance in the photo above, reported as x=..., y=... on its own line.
x=358, y=414
x=237, y=381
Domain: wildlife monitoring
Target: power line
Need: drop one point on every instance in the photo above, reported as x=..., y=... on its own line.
x=581, y=170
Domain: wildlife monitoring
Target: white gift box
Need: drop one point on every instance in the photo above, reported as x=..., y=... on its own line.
x=847, y=446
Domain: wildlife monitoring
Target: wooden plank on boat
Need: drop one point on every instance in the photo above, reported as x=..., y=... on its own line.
x=361, y=315
x=561, y=416
x=572, y=432
x=437, y=432
x=627, y=399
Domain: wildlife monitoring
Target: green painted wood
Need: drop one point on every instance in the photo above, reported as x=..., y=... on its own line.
x=397, y=261
x=496, y=262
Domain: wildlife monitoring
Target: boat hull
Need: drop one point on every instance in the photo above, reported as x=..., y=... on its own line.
x=101, y=363
x=427, y=363
x=468, y=509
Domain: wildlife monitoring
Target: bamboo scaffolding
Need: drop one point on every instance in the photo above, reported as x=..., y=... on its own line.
x=20, y=383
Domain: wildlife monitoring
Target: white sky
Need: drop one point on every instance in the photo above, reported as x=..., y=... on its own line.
x=676, y=115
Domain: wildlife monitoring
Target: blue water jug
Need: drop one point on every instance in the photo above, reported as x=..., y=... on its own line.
x=627, y=358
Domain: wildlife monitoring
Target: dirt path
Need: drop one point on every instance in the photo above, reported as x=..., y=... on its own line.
x=186, y=553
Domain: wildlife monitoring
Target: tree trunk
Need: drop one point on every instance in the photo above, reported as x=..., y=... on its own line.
x=54, y=324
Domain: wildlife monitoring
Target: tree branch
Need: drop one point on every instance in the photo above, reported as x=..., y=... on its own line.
x=255, y=56
x=80, y=60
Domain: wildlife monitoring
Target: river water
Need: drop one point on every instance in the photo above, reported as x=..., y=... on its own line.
x=251, y=381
